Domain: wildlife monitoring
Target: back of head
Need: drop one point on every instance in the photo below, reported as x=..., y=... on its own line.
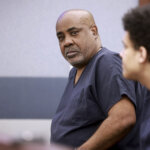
x=137, y=23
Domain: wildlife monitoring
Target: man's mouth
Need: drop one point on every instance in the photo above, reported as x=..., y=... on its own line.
x=71, y=54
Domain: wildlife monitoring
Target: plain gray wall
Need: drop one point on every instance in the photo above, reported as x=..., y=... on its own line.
x=30, y=59
x=28, y=45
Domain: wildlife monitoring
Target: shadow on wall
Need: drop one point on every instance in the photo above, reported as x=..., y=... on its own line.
x=30, y=98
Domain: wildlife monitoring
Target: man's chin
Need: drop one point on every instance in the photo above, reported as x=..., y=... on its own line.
x=78, y=65
x=128, y=76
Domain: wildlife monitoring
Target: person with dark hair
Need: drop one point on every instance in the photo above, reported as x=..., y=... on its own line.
x=99, y=109
x=136, y=59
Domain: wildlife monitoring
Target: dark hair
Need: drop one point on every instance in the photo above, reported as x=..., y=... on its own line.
x=137, y=23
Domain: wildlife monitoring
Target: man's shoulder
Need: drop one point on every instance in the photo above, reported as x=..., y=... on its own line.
x=106, y=56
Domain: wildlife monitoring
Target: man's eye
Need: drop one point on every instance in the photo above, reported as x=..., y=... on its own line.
x=60, y=38
x=125, y=46
x=74, y=32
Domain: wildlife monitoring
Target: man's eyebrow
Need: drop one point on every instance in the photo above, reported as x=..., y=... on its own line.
x=69, y=30
x=124, y=44
x=73, y=28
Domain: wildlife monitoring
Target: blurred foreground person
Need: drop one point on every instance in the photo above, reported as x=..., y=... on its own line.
x=136, y=59
x=36, y=143
x=99, y=108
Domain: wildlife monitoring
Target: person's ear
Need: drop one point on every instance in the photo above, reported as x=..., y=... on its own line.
x=94, y=30
x=142, y=54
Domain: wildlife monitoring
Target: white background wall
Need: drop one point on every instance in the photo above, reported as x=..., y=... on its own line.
x=29, y=47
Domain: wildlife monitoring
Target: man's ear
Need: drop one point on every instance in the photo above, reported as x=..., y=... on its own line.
x=142, y=54
x=94, y=30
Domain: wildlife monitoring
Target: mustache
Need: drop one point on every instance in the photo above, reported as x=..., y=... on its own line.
x=71, y=49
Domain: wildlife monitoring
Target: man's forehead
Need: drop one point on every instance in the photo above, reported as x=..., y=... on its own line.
x=69, y=22
x=78, y=16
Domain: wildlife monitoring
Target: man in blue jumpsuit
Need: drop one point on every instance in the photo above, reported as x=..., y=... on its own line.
x=99, y=108
x=136, y=59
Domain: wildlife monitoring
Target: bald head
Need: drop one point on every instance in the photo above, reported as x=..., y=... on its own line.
x=83, y=16
x=78, y=36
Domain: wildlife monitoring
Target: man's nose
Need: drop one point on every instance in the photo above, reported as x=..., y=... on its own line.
x=68, y=41
x=121, y=54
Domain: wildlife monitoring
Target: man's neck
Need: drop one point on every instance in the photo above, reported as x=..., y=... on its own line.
x=145, y=77
x=78, y=74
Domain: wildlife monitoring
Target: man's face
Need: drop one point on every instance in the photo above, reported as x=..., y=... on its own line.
x=76, y=40
x=129, y=59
